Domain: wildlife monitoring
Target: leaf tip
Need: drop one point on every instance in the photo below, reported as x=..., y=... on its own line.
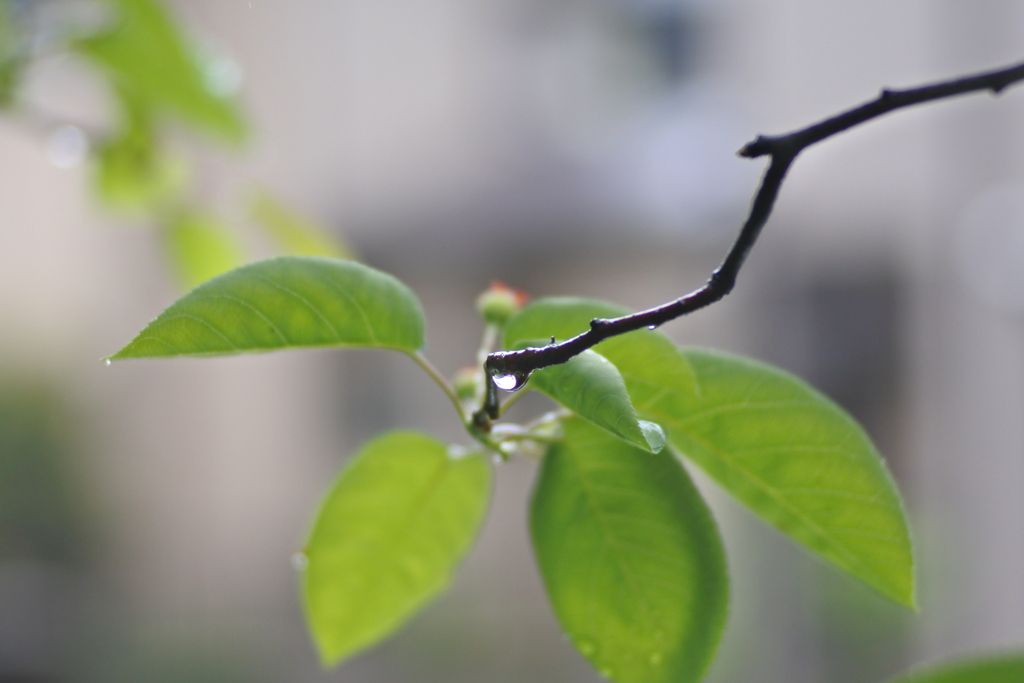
x=912, y=602
x=330, y=652
x=330, y=657
x=121, y=354
x=904, y=594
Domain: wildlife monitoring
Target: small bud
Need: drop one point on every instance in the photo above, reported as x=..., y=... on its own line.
x=466, y=382
x=499, y=303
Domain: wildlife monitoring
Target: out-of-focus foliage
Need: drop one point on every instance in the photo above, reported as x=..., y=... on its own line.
x=200, y=247
x=134, y=172
x=149, y=60
x=294, y=234
x=41, y=506
x=157, y=78
x=10, y=56
x=1007, y=668
x=160, y=80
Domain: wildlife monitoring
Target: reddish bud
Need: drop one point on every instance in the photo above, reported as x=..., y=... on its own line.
x=499, y=303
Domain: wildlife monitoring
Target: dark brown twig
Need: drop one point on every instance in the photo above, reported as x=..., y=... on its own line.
x=782, y=150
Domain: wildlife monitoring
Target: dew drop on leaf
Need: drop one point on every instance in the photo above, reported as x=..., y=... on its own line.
x=107, y=361
x=586, y=646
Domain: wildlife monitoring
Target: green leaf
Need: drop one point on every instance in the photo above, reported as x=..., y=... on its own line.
x=630, y=556
x=647, y=360
x=1007, y=668
x=794, y=457
x=201, y=247
x=134, y=172
x=590, y=386
x=797, y=460
x=8, y=32
x=294, y=233
x=388, y=538
x=12, y=57
x=286, y=302
x=146, y=54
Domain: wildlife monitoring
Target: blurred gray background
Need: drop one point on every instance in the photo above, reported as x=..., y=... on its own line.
x=148, y=510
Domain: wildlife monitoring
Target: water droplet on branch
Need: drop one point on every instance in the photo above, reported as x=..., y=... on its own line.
x=510, y=382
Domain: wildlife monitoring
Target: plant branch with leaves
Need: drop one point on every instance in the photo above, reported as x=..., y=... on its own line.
x=627, y=547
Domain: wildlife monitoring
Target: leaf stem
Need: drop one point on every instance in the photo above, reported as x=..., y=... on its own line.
x=436, y=375
x=512, y=399
x=487, y=343
x=552, y=418
x=528, y=436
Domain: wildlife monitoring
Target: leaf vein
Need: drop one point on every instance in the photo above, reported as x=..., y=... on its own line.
x=308, y=303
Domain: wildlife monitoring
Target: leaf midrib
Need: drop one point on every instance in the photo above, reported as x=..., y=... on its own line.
x=781, y=501
x=390, y=540
x=610, y=540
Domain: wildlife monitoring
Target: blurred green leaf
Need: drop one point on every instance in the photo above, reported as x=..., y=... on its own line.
x=295, y=234
x=8, y=38
x=286, y=302
x=134, y=173
x=797, y=460
x=1000, y=669
x=655, y=371
x=590, y=386
x=630, y=556
x=11, y=59
x=146, y=54
x=201, y=247
x=44, y=515
x=388, y=538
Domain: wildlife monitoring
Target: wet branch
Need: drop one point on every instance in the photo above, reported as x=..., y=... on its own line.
x=782, y=151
